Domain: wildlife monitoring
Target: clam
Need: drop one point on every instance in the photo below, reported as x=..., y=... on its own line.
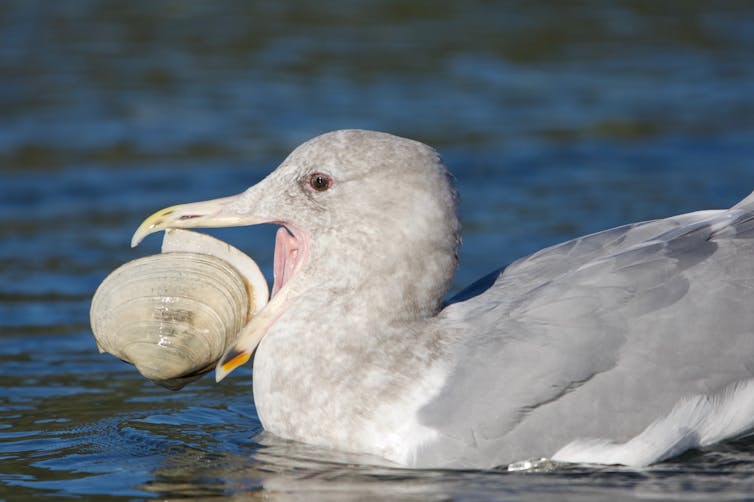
x=173, y=315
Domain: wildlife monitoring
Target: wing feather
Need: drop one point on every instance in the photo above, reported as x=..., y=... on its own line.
x=619, y=323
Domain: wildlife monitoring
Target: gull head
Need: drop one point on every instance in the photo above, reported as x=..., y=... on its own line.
x=366, y=217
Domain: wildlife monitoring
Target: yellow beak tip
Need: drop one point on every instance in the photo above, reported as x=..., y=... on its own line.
x=237, y=358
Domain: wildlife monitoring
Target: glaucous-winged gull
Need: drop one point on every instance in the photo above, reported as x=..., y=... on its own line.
x=627, y=346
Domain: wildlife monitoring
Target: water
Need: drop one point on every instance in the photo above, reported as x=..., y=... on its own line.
x=557, y=120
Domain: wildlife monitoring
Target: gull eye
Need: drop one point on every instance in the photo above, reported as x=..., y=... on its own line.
x=320, y=182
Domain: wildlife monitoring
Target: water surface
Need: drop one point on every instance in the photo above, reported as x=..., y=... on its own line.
x=557, y=120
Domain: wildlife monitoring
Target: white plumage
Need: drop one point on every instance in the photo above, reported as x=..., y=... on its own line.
x=627, y=346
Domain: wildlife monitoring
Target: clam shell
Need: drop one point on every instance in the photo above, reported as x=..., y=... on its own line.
x=176, y=240
x=173, y=315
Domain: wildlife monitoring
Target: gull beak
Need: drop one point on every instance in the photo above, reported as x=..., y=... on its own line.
x=249, y=337
x=223, y=212
x=238, y=210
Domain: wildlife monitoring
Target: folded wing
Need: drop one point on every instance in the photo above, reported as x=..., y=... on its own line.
x=598, y=337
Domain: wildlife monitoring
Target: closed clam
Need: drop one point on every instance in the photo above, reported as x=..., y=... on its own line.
x=172, y=315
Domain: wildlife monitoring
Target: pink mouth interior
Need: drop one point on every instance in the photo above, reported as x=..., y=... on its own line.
x=286, y=258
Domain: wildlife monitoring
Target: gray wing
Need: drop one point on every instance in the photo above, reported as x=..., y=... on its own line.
x=598, y=336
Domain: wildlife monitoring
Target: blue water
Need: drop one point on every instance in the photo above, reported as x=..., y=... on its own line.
x=557, y=119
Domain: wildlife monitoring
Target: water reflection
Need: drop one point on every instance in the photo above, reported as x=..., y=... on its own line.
x=285, y=471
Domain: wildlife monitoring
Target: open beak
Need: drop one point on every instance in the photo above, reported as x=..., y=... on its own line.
x=291, y=249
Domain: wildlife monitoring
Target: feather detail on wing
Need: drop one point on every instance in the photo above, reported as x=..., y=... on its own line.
x=611, y=324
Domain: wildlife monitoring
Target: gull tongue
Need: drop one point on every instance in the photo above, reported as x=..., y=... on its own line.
x=286, y=255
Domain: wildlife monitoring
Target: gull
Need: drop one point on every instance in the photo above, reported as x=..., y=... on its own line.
x=627, y=346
